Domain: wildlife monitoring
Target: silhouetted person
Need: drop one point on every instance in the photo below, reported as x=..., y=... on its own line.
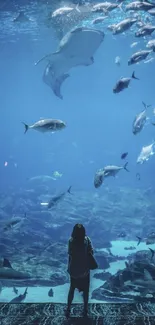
x=79, y=246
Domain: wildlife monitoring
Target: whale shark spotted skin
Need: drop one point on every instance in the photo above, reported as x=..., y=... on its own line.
x=76, y=48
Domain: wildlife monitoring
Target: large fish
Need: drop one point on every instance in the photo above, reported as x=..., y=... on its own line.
x=55, y=199
x=76, y=48
x=140, y=120
x=146, y=153
x=7, y=272
x=47, y=125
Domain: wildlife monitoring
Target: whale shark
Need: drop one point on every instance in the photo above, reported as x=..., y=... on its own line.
x=77, y=48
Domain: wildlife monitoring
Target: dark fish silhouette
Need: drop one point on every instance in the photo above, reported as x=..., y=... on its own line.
x=20, y=298
x=124, y=155
x=139, y=240
x=57, y=198
x=50, y=293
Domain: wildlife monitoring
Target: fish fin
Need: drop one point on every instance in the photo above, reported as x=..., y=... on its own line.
x=127, y=265
x=152, y=252
x=147, y=275
x=139, y=240
x=133, y=76
x=57, y=85
x=44, y=58
x=26, y=127
x=145, y=105
x=69, y=190
x=126, y=166
x=77, y=8
x=25, y=293
x=6, y=263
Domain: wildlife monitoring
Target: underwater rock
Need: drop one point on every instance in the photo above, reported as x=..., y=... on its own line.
x=102, y=276
x=102, y=260
x=59, y=278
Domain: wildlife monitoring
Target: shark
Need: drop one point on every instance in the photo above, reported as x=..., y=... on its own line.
x=7, y=272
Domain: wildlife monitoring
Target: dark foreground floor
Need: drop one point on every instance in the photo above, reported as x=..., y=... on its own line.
x=53, y=314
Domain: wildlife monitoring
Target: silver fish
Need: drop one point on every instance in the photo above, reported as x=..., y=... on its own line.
x=146, y=153
x=47, y=125
x=139, y=56
x=145, y=30
x=140, y=120
x=123, y=25
x=112, y=170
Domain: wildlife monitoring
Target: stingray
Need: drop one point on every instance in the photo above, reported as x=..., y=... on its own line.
x=76, y=48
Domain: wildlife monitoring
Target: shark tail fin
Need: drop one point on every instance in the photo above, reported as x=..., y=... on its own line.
x=125, y=167
x=147, y=275
x=6, y=263
x=26, y=127
x=152, y=253
x=145, y=105
x=139, y=240
x=69, y=190
x=133, y=76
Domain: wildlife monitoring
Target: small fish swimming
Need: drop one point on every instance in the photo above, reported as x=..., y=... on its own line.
x=140, y=120
x=123, y=83
x=61, y=11
x=58, y=198
x=20, y=298
x=122, y=26
x=55, y=199
x=112, y=170
x=145, y=30
x=99, y=20
x=146, y=153
x=47, y=125
x=124, y=155
x=139, y=56
x=50, y=293
x=99, y=177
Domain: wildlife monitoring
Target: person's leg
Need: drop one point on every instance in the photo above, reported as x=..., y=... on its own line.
x=70, y=298
x=85, y=298
x=86, y=294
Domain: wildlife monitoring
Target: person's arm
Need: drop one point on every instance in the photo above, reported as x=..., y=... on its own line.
x=90, y=247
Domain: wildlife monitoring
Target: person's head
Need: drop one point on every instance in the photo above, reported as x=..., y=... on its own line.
x=79, y=233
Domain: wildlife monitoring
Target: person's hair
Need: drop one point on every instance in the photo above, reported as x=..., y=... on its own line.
x=79, y=233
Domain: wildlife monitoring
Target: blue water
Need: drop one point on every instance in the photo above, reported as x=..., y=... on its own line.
x=99, y=122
